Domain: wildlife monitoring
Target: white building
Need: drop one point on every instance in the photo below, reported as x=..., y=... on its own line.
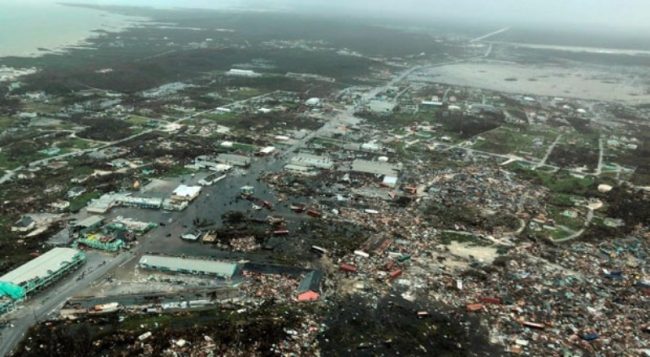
x=313, y=102
x=186, y=193
x=310, y=160
x=242, y=73
x=267, y=150
x=381, y=106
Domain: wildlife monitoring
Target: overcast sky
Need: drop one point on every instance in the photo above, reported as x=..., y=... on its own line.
x=633, y=14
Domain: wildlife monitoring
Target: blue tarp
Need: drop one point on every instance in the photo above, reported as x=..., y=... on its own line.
x=590, y=336
x=12, y=290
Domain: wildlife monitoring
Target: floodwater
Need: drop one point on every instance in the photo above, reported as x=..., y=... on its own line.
x=595, y=83
x=213, y=202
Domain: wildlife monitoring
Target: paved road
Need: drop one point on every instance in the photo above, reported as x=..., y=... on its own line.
x=98, y=264
x=42, y=305
x=542, y=162
x=601, y=153
x=486, y=36
x=9, y=174
x=590, y=217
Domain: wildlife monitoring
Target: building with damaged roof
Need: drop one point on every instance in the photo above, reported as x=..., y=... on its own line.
x=309, y=288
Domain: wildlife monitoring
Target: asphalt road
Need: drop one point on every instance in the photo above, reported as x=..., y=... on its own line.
x=42, y=305
x=97, y=265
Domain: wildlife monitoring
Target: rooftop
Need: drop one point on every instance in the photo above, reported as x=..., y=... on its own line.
x=233, y=159
x=187, y=191
x=189, y=265
x=90, y=221
x=43, y=266
x=310, y=160
x=375, y=167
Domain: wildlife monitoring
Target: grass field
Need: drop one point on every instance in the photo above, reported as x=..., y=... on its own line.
x=6, y=122
x=507, y=140
x=137, y=120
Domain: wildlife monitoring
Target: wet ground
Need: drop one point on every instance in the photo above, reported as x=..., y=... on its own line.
x=391, y=326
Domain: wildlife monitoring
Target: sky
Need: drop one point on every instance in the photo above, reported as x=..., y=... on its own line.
x=630, y=14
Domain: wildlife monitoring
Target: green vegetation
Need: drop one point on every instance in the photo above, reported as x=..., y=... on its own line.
x=221, y=118
x=80, y=202
x=10, y=162
x=81, y=170
x=557, y=214
x=326, y=142
x=448, y=216
x=6, y=122
x=74, y=143
x=105, y=129
x=506, y=140
x=244, y=93
x=244, y=147
x=562, y=199
x=177, y=171
x=41, y=108
x=558, y=182
x=137, y=120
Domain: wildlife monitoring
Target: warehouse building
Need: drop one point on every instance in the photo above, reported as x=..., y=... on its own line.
x=234, y=160
x=37, y=274
x=310, y=160
x=89, y=223
x=110, y=200
x=375, y=168
x=193, y=266
x=186, y=193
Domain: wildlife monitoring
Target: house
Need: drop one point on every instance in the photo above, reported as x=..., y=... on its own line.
x=24, y=224
x=309, y=288
x=242, y=73
x=119, y=163
x=267, y=151
x=76, y=191
x=60, y=205
x=313, y=102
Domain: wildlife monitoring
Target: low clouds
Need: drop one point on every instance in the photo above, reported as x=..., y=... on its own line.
x=631, y=14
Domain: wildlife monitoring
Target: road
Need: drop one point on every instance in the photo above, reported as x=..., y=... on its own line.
x=486, y=36
x=42, y=305
x=374, y=91
x=542, y=162
x=590, y=217
x=488, y=52
x=97, y=265
x=601, y=153
x=9, y=174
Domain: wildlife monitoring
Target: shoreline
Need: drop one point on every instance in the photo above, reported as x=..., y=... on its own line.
x=576, y=49
x=109, y=22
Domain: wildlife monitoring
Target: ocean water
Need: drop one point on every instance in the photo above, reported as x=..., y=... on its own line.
x=26, y=27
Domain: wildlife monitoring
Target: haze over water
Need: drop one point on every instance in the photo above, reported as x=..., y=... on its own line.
x=24, y=28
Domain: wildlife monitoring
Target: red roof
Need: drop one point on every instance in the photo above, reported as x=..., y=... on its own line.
x=395, y=274
x=309, y=296
x=348, y=267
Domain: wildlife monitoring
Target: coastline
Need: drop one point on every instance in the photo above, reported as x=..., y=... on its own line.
x=578, y=49
x=80, y=27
